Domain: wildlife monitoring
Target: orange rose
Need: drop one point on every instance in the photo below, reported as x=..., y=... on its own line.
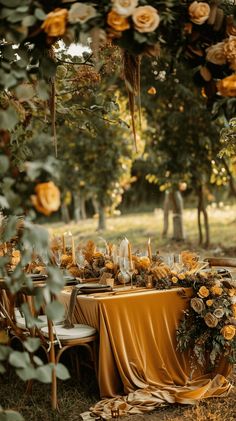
x=228, y=332
x=230, y=51
x=117, y=22
x=203, y=292
x=55, y=23
x=216, y=290
x=47, y=198
x=230, y=26
x=227, y=86
x=231, y=292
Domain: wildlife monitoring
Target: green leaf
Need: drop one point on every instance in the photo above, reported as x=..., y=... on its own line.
x=4, y=352
x=39, y=13
x=10, y=416
x=29, y=21
x=8, y=52
x=44, y=373
x=4, y=164
x=12, y=3
x=55, y=310
x=8, y=118
x=61, y=372
x=43, y=90
x=19, y=359
x=4, y=203
x=32, y=344
x=26, y=373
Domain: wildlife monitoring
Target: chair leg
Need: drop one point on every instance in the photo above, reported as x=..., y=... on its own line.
x=54, y=390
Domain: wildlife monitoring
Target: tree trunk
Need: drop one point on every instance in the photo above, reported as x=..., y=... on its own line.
x=82, y=207
x=77, y=206
x=178, y=229
x=166, y=208
x=202, y=209
x=65, y=213
x=101, y=218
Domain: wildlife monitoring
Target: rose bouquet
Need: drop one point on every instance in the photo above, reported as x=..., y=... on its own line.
x=208, y=327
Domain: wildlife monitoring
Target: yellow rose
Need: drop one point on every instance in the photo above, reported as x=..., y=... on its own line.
x=203, y=292
x=174, y=279
x=199, y=12
x=230, y=51
x=47, y=198
x=152, y=90
x=231, y=292
x=228, y=332
x=216, y=290
x=55, y=22
x=219, y=312
x=216, y=54
x=209, y=303
x=146, y=19
x=227, y=86
x=124, y=7
x=80, y=12
x=181, y=276
x=211, y=320
x=233, y=308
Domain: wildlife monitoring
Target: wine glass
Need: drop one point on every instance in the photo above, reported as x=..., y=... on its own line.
x=80, y=260
x=57, y=253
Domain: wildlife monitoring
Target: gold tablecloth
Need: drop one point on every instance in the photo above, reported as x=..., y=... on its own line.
x=137, y=352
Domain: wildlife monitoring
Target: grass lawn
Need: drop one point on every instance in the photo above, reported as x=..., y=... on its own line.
x=139, y=227
x=75, y=396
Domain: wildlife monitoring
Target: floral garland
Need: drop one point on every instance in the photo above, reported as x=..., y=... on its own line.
x=208, y=327
x=202, y=32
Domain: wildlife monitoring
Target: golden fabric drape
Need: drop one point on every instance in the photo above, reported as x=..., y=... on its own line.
x=137, y=351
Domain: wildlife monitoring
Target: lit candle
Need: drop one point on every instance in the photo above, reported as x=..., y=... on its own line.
x=130, y=256
x=73, y=249
x=149, y=250
x=63, y=244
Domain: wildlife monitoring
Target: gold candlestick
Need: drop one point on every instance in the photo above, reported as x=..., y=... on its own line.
x=130, y=256
x=63, y=244
x=73, y=249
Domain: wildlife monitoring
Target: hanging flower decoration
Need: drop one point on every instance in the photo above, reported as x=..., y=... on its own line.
x=204, y=31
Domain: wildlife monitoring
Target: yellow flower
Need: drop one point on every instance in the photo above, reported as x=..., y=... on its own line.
x=216, y=290
x=109, y=265
x=209, y=303
x=146, y=19
x=231, y=292
x=181, y=276
x=199, y=12
x=55, y=22
x=203, y=292
x=47, y=198
x=117, y=22
x=227, y=86
x=152, y=90
x=233, y=308
x=228, y=332
x=197, y=305
x=174, y=279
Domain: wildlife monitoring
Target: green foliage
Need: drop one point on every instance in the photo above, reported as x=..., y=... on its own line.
x=228, y=139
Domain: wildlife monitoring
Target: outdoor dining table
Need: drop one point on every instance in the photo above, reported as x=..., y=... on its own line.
x=137, y=344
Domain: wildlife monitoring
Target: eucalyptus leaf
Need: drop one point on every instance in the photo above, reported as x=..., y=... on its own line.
x=32, y=344
x=19, y=359
x=4, y=164
x=8, y=118
x=29, y=20
x=10, y=415
x=26, y=373
x=62, y=372
x=55, y=310
x=44, y=373
x=2, y=369
x=4, y=352
x=40, y=14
